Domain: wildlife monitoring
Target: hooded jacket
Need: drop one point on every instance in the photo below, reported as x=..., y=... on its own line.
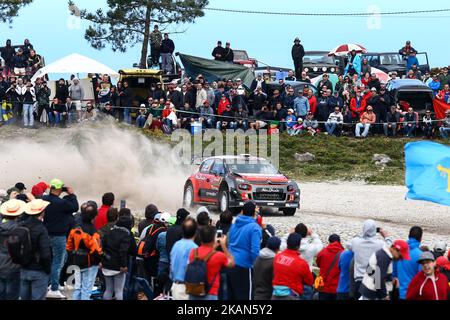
x=324, y=262
x=363, y=247
x=423, y=287
x=263, y=275
x=42, y=254
x=405, y=270
x=245, y=241
x=6, y=265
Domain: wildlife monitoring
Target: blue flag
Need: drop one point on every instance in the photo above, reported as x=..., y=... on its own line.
x=428, y=172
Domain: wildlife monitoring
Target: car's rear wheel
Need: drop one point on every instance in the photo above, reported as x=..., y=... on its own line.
x=188, y=198
x=289, y=212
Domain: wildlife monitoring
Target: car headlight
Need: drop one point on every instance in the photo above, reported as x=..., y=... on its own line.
x=290, y=188
x=324, y=69
x=306, y=69
x=245, y=187
x=333, y=69
x=239, y=180
x=315, y=69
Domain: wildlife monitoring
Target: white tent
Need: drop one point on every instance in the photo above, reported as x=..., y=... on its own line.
x=75, y=63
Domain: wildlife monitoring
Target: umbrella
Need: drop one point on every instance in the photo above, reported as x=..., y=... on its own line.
x=381, y=75
x=332, y=77
x=344, y=49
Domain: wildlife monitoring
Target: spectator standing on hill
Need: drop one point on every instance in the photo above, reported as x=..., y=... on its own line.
x=167, y=49
x=155, y=45
x=228, y=53
x=219, y=52
x=298, y=52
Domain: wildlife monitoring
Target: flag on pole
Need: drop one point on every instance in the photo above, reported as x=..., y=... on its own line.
x=428, y=172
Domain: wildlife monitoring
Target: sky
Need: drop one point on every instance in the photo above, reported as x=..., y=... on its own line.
x=269, y=39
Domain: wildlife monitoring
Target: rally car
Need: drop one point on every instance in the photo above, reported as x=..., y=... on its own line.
x=230, y=181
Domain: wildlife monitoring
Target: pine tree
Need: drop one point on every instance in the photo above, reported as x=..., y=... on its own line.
x=126, y=23
x=10, y=9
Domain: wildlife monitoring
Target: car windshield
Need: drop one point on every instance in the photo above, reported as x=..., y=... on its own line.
x=385, y=59
x=319, y=58
x=251, y=167
x=240, y=55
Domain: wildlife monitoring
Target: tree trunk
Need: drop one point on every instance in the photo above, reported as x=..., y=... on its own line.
x=145, y=44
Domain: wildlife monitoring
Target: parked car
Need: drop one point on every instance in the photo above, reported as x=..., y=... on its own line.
x=393, y=61
x=241, y=57
x=230, y=181
x=417, y=94
x=316, y=63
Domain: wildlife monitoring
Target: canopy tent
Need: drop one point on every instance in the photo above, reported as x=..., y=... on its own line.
x=75, y=63
x=213, y=70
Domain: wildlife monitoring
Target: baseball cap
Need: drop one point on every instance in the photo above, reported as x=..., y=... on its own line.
x=294, y=240
x=20, y=186
x=440, y=246
x=238, y=79
x=157, y=217
x=165, y=217
x=203, y=209
x=403, y=248
x=274, y=243
x=142, y=106
x=291, y=110
x=56, y=184
x=373, y=89
x=426, y=256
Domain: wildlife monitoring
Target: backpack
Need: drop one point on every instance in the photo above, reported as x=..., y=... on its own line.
x=147, y=247
x=18, y=242
x=82, y=246
x=196, y=277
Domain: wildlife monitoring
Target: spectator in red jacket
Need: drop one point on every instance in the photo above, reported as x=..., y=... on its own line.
x=107, y=202
x=312, y=102
x=358, y=105
x=328, y=262
x=290, y=271
x=224, y=104
x=428, y=284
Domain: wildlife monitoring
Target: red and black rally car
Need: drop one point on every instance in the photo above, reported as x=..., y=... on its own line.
x=230, y=181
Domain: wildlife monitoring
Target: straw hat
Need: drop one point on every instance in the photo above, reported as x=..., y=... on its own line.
x=36, y=207
x=12, y=208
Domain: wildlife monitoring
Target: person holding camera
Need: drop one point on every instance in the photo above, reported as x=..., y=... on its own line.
x=29, y=99
x=58, y=220
x=43, y=93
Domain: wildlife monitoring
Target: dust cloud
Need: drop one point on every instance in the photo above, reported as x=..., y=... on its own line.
x=95, y=158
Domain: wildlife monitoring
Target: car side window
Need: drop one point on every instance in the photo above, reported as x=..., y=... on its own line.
x=219, y=168
x=206, y=166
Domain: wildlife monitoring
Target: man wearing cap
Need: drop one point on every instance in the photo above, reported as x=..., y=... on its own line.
x=368, y=118
x=301, y=105
x=298, y=52
x=444, y=77
x=429, y=283
x=290, y=271
x=58, y=220
x=218, y=52
x=76, y=93
x=9, y=271
x=228, y=53
x=155, y=45
x=207, y=115
x=245, y=243
x=19, y=62
x=35, y=276
x=405, y=270
x=378, y=282
x=263, y=269
x=407, y=50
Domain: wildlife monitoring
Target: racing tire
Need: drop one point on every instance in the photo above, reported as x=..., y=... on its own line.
x=224, y=200
x=188, y=196
x=290, y=212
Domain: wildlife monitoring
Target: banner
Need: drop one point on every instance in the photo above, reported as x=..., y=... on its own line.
x=428, y=172
x=439, y=108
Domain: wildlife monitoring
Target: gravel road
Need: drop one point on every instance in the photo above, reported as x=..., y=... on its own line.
x=342, y=207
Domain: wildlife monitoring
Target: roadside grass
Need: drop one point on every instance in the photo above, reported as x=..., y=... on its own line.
x=337, y=159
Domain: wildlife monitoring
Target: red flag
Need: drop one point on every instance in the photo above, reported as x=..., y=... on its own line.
x=439, y=108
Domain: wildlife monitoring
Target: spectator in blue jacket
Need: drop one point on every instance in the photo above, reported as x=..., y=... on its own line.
x=345, y=260
x=301, y=105
x=244, y=242
x=411, y=60
x=405, y=270
x=435, y=85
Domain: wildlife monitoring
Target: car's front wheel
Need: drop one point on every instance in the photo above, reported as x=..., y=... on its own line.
x=188, y=198
x=224, y=200
x=289, y=212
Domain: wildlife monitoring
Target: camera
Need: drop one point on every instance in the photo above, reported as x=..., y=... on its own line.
x=219, y=234
x=64, y=189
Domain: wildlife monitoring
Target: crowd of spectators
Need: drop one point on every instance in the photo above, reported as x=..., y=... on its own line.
x=186, y=256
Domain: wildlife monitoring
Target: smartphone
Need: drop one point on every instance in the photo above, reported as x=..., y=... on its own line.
x=123, y=204
x=64, y=189
x=219, y=234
